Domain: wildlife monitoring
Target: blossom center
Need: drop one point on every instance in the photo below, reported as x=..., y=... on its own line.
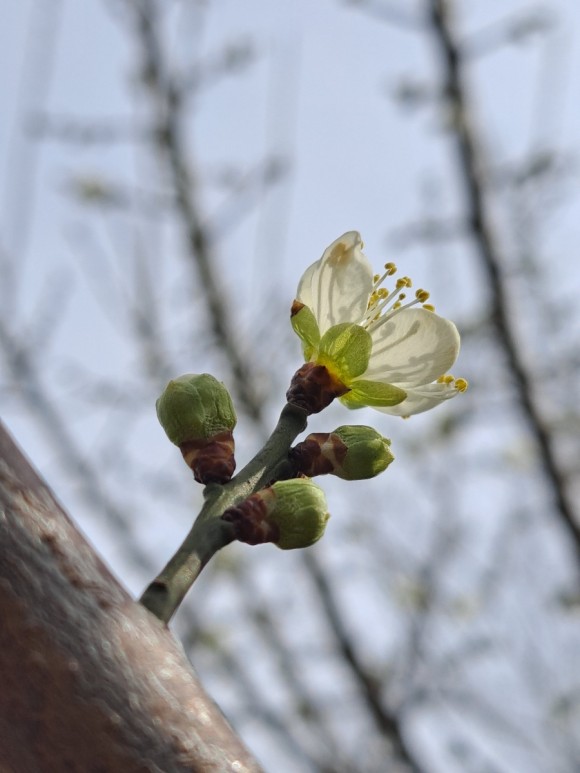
x=383, y=304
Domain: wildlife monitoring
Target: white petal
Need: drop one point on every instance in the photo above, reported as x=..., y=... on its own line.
x=304, y=293
x=337, y=287
x=421, y=399
x=414, y=347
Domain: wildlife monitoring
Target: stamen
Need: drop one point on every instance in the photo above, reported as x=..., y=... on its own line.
x=378, y=310
x=375, y=321
x=378, y=279
x=460, y=384
x=374, y=310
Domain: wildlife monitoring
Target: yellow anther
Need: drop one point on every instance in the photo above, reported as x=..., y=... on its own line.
x=446, y=379
x=428, y=307
x=404, y=281
x=461, y=384
x=402, y=296
x=397, y=305
x=376, y=278
x=390, y=268
x=422, y=296
x=383, y=292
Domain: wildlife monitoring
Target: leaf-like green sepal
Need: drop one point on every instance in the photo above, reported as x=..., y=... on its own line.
x=195, y=407
x=300, y=512
x=306, y=328
x=372, y=393
x=345, y=350
x=368, y=453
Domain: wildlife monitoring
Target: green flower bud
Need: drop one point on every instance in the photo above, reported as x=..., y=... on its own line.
x=350, y=452
x=368, y=453
x=300, y=512
x=290, y=513
x=195, y=407
x=197, y=414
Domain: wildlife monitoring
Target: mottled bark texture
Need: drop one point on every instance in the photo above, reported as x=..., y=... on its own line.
x=89, y=679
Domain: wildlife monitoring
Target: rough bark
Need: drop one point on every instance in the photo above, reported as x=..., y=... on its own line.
x=89, y=679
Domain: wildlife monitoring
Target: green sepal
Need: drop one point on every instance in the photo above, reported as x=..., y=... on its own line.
x=372, y=393
x=306, y=328
x=345, y=350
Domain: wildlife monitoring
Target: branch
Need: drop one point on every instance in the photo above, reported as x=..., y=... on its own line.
x=471, y=169
x=87, y=673
x=168, y=109
x=388, y=723
x=209, y=533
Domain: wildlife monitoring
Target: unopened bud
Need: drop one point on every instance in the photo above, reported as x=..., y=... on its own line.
x=350, y=452
x=197, y=414
x=289, y=513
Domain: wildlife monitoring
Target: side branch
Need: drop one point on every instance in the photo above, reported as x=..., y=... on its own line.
x=88, y=676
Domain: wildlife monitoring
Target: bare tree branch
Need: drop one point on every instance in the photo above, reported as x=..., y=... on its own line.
x=169, y=136
x=388, y=722
x=471, y=169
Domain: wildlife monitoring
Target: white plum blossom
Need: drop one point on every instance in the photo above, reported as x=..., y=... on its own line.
x=392, y=353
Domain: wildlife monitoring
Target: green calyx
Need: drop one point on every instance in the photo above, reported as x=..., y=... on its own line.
x=373, y=393
x=368, y=453
x=299, y=510
x=306, y=328
x=345, y=350
x=195, y=407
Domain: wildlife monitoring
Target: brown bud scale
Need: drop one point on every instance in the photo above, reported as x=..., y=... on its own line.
x=320, y=454
x=249, y=519
x=296, y=307
x=211, y=459
x=313, y=387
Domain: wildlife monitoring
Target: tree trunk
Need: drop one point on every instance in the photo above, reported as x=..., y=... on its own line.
x=89, y=680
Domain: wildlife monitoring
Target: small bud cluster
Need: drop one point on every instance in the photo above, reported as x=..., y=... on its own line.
x=198, y=416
